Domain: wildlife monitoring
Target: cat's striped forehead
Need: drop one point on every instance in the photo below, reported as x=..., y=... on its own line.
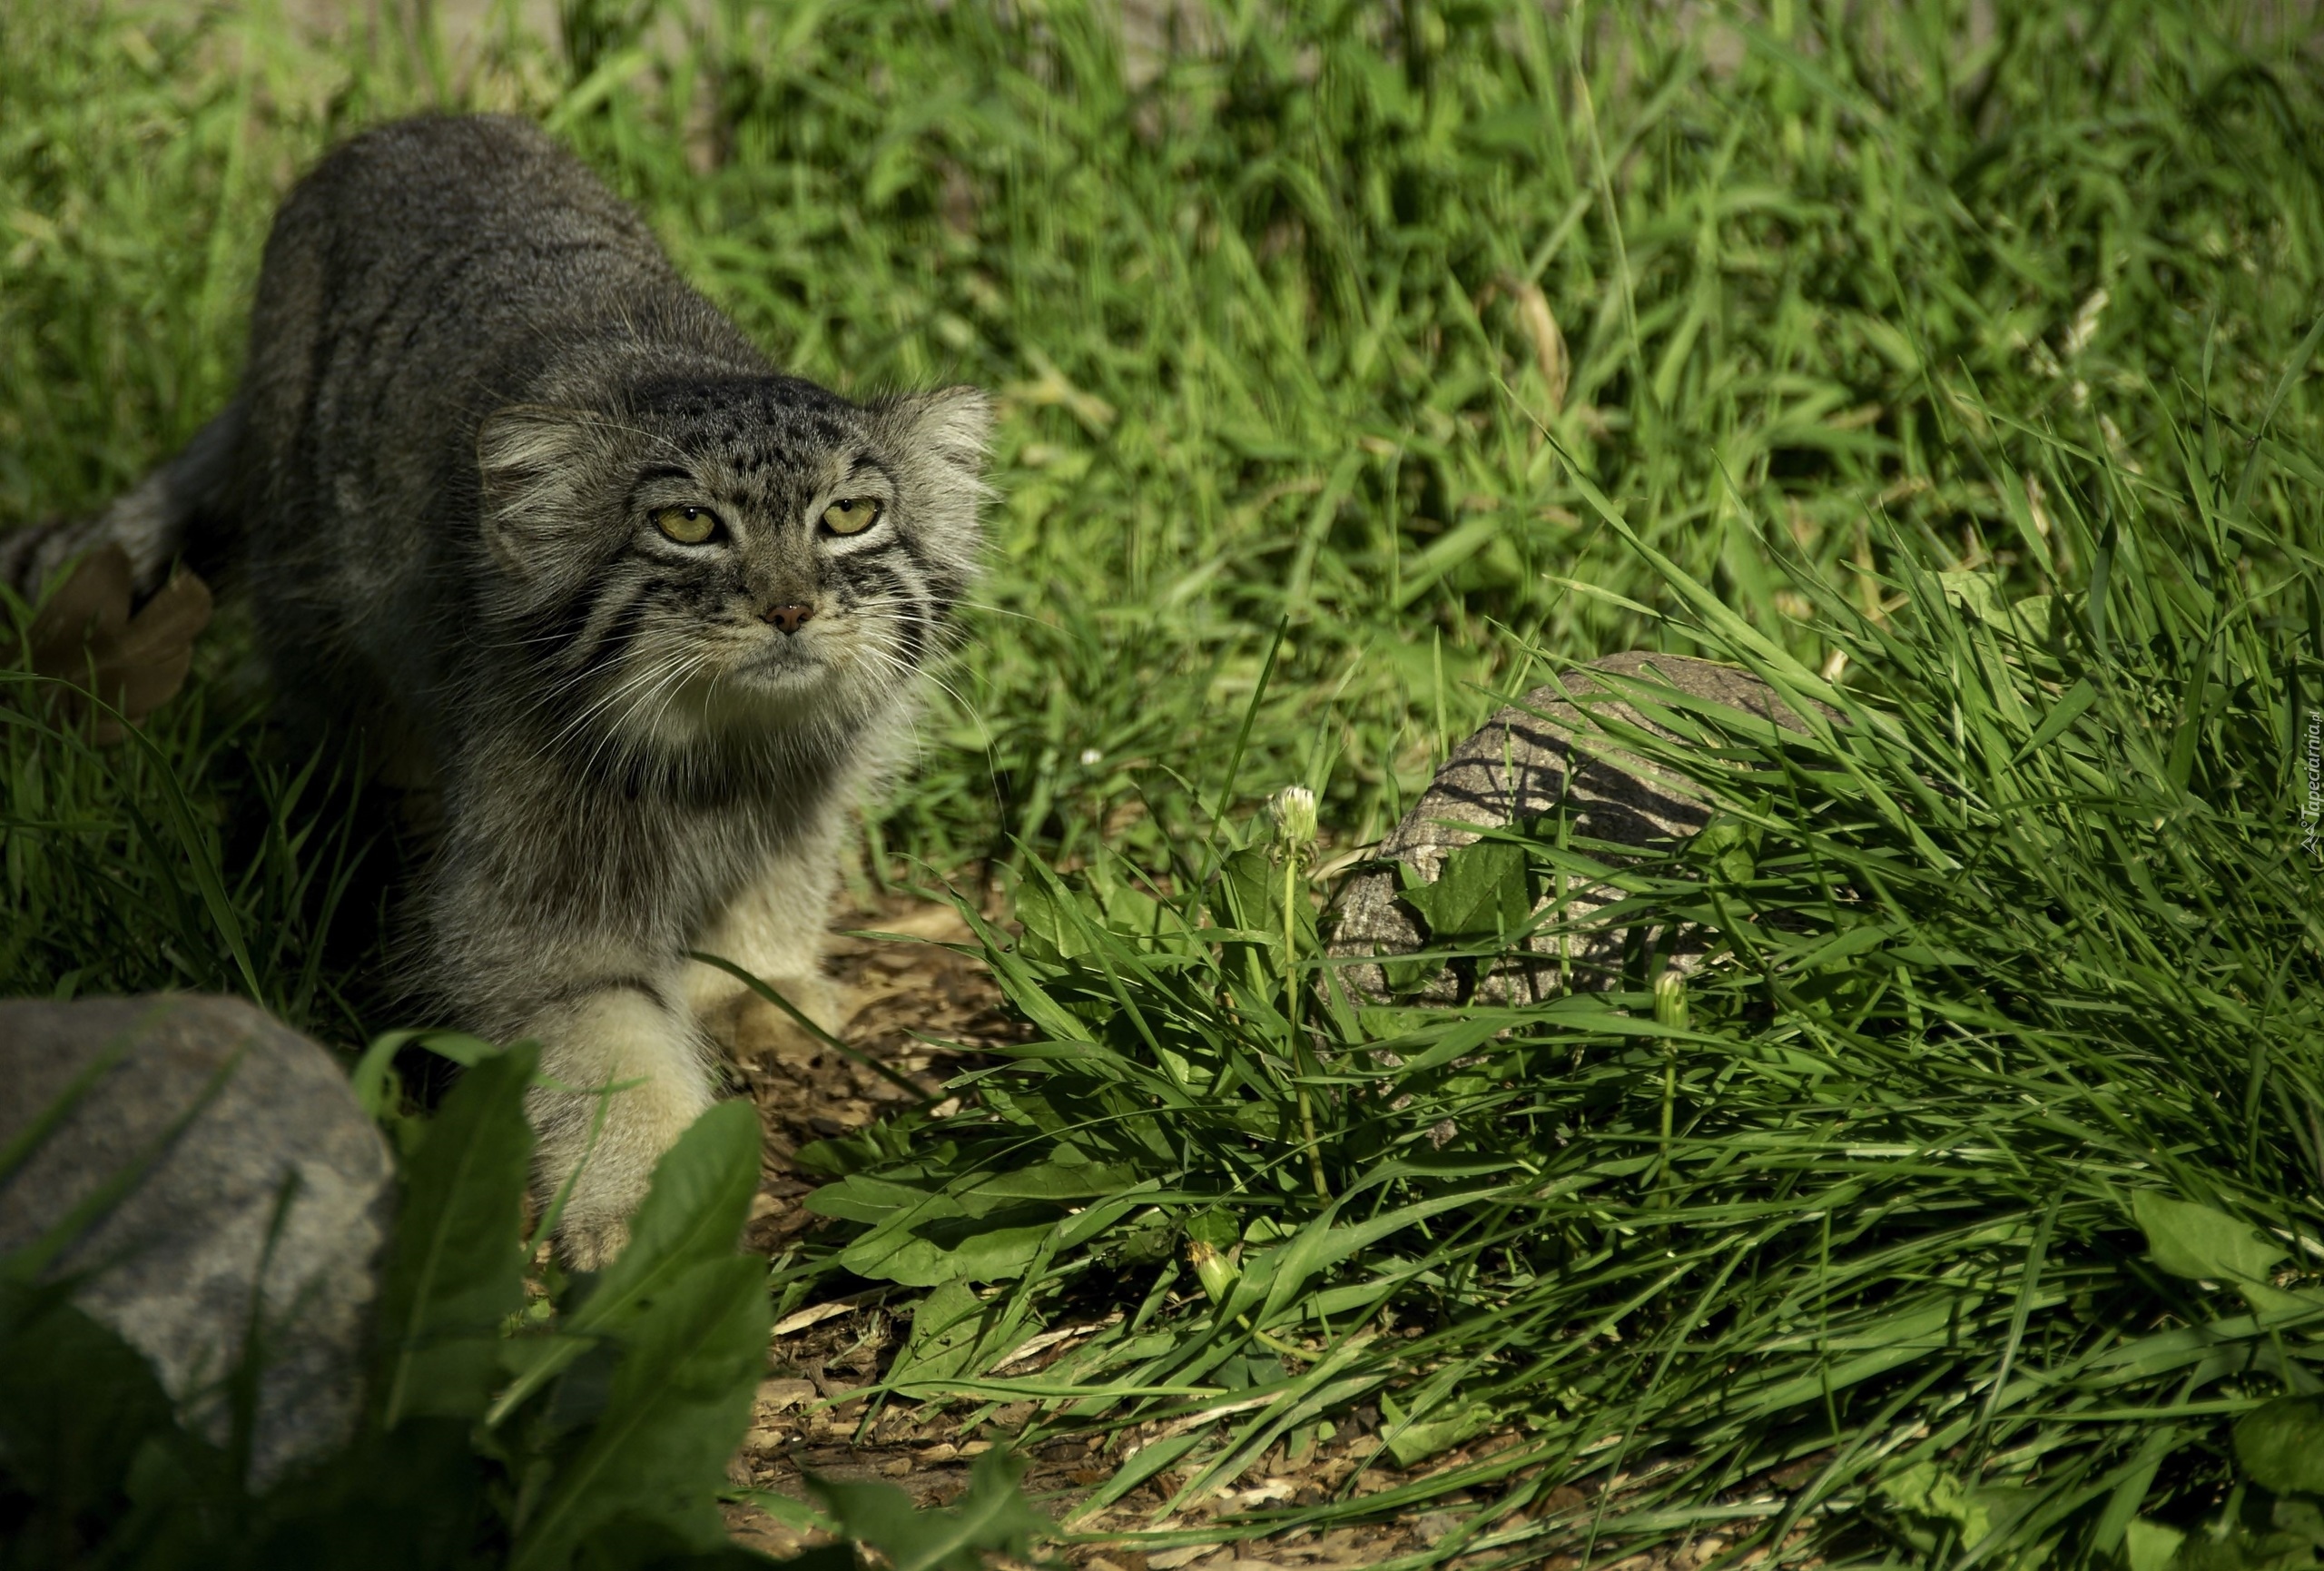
x=769, y=437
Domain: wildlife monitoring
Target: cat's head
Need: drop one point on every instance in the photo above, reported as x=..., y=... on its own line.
x=719, y=556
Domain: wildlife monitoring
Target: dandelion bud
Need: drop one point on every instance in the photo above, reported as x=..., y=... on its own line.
x=1671, y=1000
x=1211, y=1238
x=1295, y=817
x=1217, y=1272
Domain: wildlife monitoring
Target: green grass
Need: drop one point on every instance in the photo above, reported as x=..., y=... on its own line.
x=1290, y=492
x=2028, y=943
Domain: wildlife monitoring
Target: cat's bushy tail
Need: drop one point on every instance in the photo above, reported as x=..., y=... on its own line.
x=180, y=512
x=106, y=657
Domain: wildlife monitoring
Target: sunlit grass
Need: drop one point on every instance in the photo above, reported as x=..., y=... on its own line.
x=1417, y=355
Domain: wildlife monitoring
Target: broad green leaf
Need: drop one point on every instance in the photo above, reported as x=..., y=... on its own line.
x=2241, y=1546
x=1931, y=1490
x=1979, y=594
x=2033, y=616
x=992, y=1517
x=1480, y=894
x=796, y=1514
x=680, y=1400
x=859, y=1198
x=1729, y=846
x=1047, y=1181
x=456, y=1269
x=949, y=1249
x=862, y=1199
x=695, y=1212
x=1133, y=913
x=1408, y=974
x=2151, y=1545
x=2198, y=1242
x=2300, y=1518
x=1410, y=1441
x=1251, y=886
x=1047, y=931
x=946, y=1331
x=1934, y=1495
x=2281, y=1445
x=76, y=1405
x=1085, y=1224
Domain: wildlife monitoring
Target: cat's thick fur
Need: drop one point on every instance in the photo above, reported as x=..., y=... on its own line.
x=475, y=383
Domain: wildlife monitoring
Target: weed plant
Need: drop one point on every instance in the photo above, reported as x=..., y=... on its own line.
x=1358, y=368
x=512, y=1417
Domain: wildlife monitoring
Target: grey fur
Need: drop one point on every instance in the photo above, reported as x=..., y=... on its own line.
x=472, y=376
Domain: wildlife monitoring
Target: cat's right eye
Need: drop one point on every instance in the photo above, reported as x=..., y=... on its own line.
x=687, y=526
x=852, y=515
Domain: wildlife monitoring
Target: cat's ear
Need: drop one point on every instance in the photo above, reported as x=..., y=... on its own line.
x=938, y=440
x=955, y=423
x=532, y=464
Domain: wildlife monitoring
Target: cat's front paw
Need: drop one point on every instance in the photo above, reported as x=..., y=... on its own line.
x=593, y=1225
x=591, y=1248
x=598, y=1149
x=753, y=1030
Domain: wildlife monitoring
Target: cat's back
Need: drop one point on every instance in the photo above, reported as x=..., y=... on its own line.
x=445, y=236
x=450, y=173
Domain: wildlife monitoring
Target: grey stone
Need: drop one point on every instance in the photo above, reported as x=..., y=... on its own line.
x=1523, y=762
x=174, y=1262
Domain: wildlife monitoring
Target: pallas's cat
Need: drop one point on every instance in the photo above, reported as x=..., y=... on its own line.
x=511, y=500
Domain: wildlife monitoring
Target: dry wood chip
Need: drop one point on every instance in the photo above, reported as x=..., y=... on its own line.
x=1051, y=1339
x=791, y=1324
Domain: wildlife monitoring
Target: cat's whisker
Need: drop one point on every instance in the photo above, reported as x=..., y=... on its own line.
x=601, y=704
x=621, y=735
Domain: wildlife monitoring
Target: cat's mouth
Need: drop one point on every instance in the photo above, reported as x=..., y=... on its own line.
x=789, y=662
x=743, y=685
x=778, y=688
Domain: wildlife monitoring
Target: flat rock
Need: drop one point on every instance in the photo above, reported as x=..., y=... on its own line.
x=1525, y=761
x=176, y=1261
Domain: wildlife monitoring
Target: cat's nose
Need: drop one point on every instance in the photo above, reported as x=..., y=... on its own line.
x=790, y=618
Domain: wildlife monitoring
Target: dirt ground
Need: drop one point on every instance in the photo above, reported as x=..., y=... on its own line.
x=925, y=1009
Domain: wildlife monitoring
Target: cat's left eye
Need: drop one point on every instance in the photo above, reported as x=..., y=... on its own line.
x=851, y=517
x=687, y=526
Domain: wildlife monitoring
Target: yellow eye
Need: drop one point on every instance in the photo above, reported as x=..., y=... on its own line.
x=687, y=526
x=851, y=517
